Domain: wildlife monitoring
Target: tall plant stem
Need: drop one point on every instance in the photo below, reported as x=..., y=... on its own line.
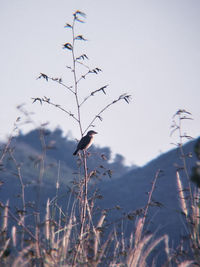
x=150, y=194
x=83, y=214
x=83, y=208
x=183, y=158
x=75, y=78
x=85, y=187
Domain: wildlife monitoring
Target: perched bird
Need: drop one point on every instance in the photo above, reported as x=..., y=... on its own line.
x=85, y=142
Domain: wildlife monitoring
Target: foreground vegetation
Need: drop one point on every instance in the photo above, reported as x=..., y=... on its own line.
x=34, y=235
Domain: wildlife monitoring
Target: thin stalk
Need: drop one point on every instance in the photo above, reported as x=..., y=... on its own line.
x=21, y=182
x=183, y=158
x=150, y=194
x=22, y=216
x=85, y=193
x=84, y=208
x=85, y=188
x=75, y=78
x=5, y=150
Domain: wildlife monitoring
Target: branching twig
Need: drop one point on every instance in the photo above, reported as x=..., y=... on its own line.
x=94, y=92
x=19, y=222
x=47, y=100
x=181, y=115
x=57, y=80
x=125, y=97
x=6, y=147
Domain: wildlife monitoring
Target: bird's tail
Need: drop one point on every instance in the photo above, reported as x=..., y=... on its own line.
x=75, y=152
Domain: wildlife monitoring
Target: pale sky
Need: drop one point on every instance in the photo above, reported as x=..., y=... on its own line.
x=147, y=48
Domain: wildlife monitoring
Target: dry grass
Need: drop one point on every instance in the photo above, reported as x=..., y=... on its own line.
x=57, y=241
x=190, y=208
x=182, y=199
x=54, y=242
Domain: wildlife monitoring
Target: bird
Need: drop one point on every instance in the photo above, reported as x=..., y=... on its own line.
x=85, y=142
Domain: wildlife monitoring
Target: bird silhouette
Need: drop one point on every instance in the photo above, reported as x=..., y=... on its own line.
x=85, y=142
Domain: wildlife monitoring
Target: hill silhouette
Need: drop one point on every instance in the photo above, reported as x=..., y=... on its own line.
x=131, y=191
x=44, y=157
x=120, y=186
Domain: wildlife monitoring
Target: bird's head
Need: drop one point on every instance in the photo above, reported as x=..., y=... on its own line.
x=91, y=133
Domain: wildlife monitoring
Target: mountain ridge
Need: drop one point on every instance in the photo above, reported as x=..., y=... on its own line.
x=129, y=190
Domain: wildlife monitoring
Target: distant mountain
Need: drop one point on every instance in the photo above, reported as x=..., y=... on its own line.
x=44, y=158
x=131, y=192
x=60, y=148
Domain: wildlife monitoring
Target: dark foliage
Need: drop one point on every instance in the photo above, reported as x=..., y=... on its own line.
x=195, y=176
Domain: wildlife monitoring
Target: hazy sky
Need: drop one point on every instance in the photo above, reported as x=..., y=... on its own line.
x=147, y=48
